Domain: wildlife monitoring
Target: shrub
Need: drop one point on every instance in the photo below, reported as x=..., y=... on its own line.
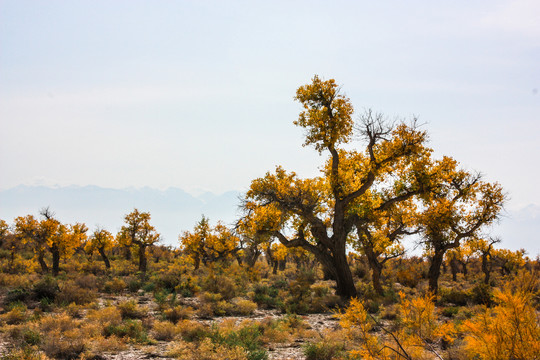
x=69, y=344
x=324, y=351
x=114, y=286
x=72, y=293
x=510, y=330
x=132, y=329
x=243, y=306
x=88, y=281
x=450, y=311
x=192, y=330
x=24, y=335
x=164, y=331
x=16, y=315
x=46, y=288
x=107, y=316
x=266, y=296
x=130, y=310
x=26, y=353
x=452, y=296
x=103, y=344
x=247, y=337
x=219, y=284
x=178, y=313
x=483, y=294
x=17, y=295
x=134, y=285
x=408, y=278
x=167, y=280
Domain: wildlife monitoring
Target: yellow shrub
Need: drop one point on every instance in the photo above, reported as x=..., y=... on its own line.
x=243, y=306
x=510, y=330
x=418, y=315
x=106, y=316
x=111, y=343
x=16, y=315
x=164, y=330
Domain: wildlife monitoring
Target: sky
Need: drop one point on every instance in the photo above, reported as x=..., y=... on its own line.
x=199, y=94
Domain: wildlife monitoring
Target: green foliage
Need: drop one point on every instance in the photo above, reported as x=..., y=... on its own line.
x=132, y=329
x=46, y=288
x=324, y=351
x=247, y=337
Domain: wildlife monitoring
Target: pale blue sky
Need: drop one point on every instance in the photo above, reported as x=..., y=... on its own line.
x=199, y=94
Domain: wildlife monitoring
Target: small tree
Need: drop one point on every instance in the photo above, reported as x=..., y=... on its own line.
x=209, y=244
x=455, y=212
x=138, y=232
x=49, y=234
x=102, y=241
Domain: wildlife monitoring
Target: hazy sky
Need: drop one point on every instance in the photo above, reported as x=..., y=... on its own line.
x=199, y=94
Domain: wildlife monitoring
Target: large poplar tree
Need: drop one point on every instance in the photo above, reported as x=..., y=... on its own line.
x=319, y=214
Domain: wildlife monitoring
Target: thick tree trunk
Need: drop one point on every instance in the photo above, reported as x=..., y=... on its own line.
x=104, y=257
x=282, y=264
x=435, y=270
x=55, y=260
x=142, y=259
x=328, y=274
x=344, y=279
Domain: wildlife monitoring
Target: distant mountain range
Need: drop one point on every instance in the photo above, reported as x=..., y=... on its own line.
x=174, y=210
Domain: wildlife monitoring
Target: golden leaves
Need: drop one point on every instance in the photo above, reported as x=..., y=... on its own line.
x=327, y=115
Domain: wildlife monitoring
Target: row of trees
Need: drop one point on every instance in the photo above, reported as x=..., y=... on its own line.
x=49, y=235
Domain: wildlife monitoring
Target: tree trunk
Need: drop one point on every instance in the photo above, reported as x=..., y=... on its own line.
x=55, y=260
x=344, y=279
x=454, y=268
x=486, y=269
x=275, y=267
x=435, y=270
x=127, y=253
x=465, y=269
x=251, y=257
x=42, y=263
x=104, y=257
x=328, y=274
x=282, y=264
x=376, y=270
x=142, y=259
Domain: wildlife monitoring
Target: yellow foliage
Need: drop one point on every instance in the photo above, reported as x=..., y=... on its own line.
x=208, y=243
x=510, y=330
